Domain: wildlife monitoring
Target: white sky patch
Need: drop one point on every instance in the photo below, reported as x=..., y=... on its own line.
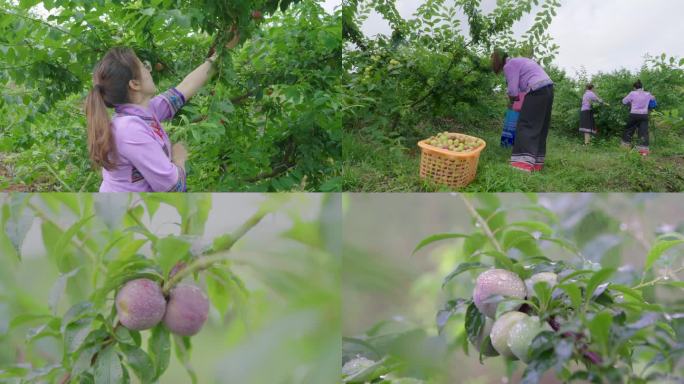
x=599, y=35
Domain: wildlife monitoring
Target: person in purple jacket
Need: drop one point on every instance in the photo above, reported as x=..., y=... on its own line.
x=638, y=118
x=587, y=122
x=525, y=75
x=132, y=147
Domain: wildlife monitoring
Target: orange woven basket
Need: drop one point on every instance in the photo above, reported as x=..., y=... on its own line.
x=442, y=166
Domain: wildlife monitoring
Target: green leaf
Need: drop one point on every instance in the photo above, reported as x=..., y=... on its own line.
x=140, y=362
x=536, y=226
x=657, y=251
x=62, y=244
x=170, y=250
x=574, y=293
x=306, y=232
x=58, y=289
x=543, y=292
x=599, y=327
x=474, y=322
x=438, y=237
x=18, y=221
x=183, y=347
x=108, y=368
x=474, y=243
x=159, y=349
x=84, y=360
x=513, y=237
x=111, y=207
x=463, y=267
x=596, y=280
x=217, y=290
x=76, y=333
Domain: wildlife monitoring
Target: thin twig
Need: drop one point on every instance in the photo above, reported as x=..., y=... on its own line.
x=483, y=223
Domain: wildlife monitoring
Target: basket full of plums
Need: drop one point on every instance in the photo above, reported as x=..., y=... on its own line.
x=450, y=158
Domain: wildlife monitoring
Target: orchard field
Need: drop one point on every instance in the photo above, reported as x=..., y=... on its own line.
x=432, y=74
x=269, y=120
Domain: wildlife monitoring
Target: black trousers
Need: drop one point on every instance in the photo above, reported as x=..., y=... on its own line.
x=637, y=123
x=533, y=127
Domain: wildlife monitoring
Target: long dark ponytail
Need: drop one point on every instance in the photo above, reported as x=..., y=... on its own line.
x=110, y=88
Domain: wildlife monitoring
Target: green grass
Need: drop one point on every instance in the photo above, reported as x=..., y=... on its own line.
x=375, y=163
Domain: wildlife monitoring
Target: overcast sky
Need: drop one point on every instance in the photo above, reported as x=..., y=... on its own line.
x=600, y=35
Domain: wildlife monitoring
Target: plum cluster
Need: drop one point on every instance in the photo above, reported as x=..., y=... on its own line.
x=141, y=305
x=511, y=334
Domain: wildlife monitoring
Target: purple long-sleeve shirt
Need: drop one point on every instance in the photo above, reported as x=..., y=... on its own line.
x=143, y=148
x=524, y=75
x=588, y=97
x=639, y=100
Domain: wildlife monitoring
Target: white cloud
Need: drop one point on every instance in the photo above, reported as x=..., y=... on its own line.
x=599, y=35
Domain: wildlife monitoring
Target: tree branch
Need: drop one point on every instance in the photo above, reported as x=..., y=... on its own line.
x=216, y=253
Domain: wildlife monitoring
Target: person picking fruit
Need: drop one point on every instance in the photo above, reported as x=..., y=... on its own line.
x=587, y=122
x=639, y=101
x=525, y=75
x=132, y=147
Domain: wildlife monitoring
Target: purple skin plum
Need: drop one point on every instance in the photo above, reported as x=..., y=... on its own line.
x=496, y=282
x=140, y=304
x=187, y=310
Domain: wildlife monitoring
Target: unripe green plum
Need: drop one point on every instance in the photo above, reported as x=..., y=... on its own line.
x=495, y=282
x=521, y=335
x=187, y=310
x=502, y=328
x=140, y=304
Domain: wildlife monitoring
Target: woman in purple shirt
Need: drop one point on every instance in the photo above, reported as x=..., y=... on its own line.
x=525, y=75
x=638, y=118
x=132, y=147
x=587, y=122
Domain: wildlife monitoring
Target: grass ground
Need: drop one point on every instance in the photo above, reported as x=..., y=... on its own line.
x=375, y=163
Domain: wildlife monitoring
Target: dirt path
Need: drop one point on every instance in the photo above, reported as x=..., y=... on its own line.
x=6, y=176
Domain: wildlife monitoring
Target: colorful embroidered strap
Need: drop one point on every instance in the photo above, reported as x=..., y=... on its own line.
x=175, y=98
x=180, y=186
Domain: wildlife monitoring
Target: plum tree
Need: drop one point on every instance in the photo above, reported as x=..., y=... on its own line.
x=496, y=282
x=140, y=304
x=187, y=310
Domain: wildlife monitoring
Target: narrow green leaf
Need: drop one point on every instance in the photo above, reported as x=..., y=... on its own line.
x=76, y=333
x=657, y=251
x=58, y=288
x=170, y=250
x=159, y=349
x=108, y=368
x=596, y=280
x=537, y=226
x=140, y=362
x=111, y=207
x=574, y=293
x=599, y=327
x=438, y=237
x=463, y=267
